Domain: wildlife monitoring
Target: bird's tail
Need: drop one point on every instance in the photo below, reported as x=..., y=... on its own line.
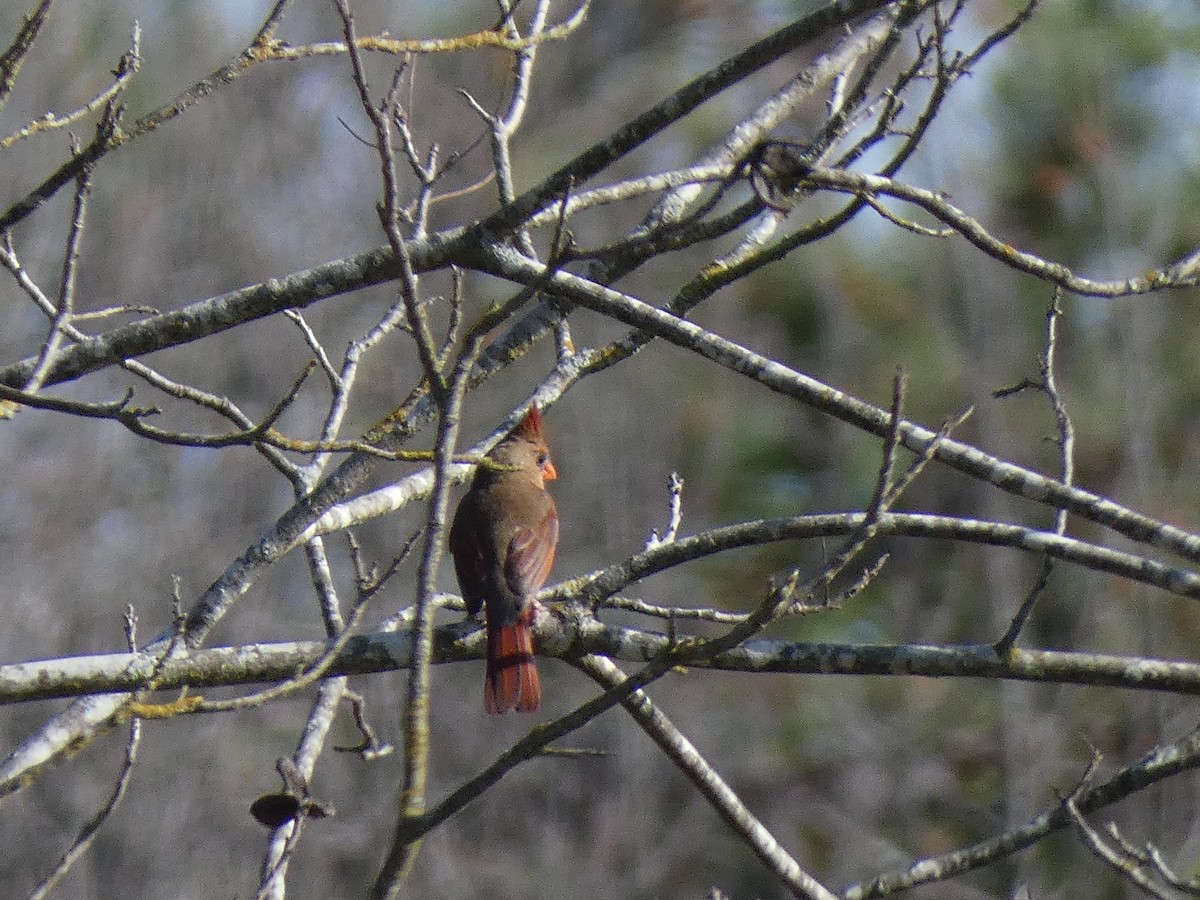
x=512, y=677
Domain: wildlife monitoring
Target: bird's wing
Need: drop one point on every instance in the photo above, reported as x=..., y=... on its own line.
x=470, y=564
x=531, y=555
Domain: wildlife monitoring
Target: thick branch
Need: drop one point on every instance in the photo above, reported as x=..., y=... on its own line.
x=205, y=318
x=507, y=263
x=1163, y=762
x=388, y=652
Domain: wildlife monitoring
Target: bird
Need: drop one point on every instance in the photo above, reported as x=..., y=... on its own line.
x=503, y=541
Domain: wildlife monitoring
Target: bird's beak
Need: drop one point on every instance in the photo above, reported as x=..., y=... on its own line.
x=549, y=473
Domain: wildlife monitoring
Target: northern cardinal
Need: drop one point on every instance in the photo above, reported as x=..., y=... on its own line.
x=503, y=540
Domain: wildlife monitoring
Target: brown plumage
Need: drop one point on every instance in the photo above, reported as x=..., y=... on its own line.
x=503, y=540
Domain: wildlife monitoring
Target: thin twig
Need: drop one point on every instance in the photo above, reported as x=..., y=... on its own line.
x=305, y=677
x=688, y=759
x=411, y=830
x=127, y=67
x=1048, y=385
x=14, y=56
x=1162, y=762
x=371, y=747
x=674, y=513
x=1127, y=865
x=66, y=297
x=88, y=833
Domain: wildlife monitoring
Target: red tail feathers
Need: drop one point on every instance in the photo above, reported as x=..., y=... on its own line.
x=512, y=677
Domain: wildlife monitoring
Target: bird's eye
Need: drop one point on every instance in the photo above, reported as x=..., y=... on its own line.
x=542, y=459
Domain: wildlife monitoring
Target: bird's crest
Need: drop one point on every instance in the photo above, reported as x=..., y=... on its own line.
x=531, y=426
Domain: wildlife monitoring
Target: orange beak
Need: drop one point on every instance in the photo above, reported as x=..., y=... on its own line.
x=549, y=473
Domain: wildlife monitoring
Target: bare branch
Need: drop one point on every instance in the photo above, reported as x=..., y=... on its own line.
x=1162, y=762
x=1048, y=384
x=14, y=56
x=708, y=781
x=569, y=636
x=784, y=380
x=88, y=833
x=127, y=67
x=674, y=513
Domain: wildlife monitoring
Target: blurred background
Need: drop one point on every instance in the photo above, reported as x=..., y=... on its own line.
x=1078, y=139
